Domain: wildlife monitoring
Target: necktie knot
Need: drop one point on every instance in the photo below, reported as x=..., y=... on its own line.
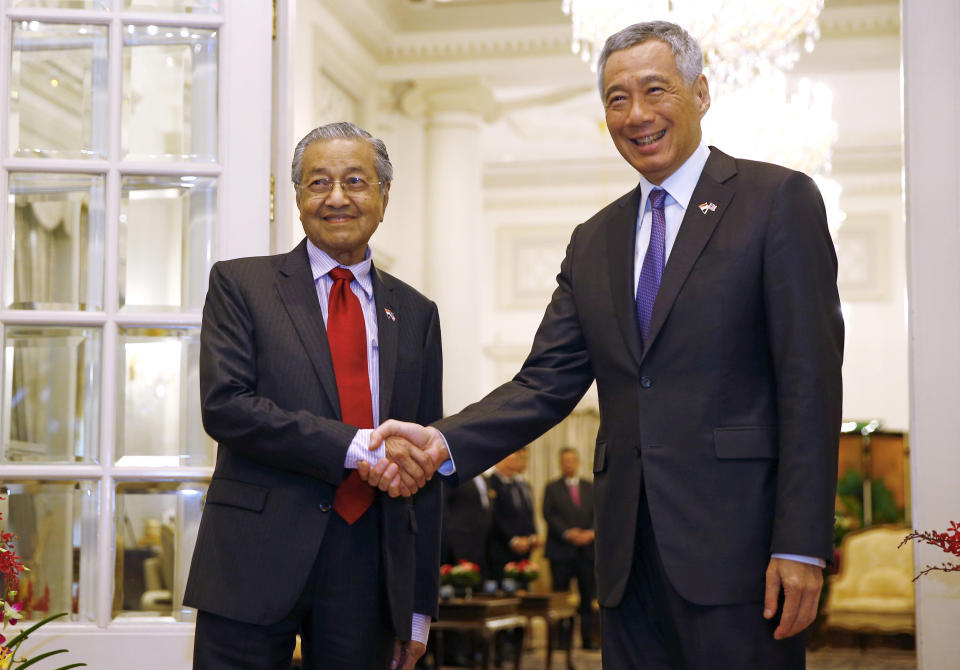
x=339, y=274
x=657, y=198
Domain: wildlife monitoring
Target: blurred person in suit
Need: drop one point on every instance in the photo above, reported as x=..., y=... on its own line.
x=513, y=534
x=568, y=511
x=467, y=519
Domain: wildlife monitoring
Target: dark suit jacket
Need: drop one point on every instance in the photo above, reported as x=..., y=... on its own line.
x=561, y=515
x=729, y=418
x=269, y=397
x=512, y=517
x=466, y=524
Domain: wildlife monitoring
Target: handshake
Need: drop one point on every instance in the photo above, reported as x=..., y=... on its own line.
x=413, y=454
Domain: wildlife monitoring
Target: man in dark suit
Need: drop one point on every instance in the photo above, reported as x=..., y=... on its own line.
x=704, y=303
x=513, y=534
x=568, y=511
x=467, y=519
x=302, y=354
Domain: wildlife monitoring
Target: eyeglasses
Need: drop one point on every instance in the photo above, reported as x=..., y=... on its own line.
x=354, y=184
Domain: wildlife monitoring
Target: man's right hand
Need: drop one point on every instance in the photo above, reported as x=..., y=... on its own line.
x=411, y=458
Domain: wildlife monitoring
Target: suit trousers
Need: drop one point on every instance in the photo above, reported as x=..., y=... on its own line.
x=655, y=628
x=582, y=567
x=342, y=614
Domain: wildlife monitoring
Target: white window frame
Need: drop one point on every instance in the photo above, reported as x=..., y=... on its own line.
x=242, y=229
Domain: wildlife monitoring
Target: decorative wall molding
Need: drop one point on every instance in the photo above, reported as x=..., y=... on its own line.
x=429, y=97
x=331, y=102
x=863, y=247
x=528, y=258
x=879, y=19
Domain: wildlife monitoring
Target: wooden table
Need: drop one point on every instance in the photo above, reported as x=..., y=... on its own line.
x=553, y=608
x=480, y=617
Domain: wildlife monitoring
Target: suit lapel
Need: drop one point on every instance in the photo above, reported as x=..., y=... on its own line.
x=695, y=231
x=621, y=241
x=299, y=296
x=387, y=336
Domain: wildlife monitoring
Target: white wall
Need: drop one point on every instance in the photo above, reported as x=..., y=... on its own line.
x=931, y=67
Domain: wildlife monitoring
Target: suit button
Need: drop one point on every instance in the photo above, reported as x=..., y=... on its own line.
x=324, y=507
x=646, y=382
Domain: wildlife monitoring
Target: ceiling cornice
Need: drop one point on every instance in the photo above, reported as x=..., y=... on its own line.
x=875, y=20
x=471, y=44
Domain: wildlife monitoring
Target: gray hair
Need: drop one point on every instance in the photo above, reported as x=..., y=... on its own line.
x=346, y=130
x=685, y=48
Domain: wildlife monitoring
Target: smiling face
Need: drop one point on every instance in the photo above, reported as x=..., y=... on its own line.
x=338, y=222
x=652, y=114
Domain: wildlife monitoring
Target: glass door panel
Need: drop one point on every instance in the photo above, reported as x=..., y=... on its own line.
x=58, y=90
x=166, y=241
x=55, y=246
x=55, y=524
x=169, y=93
x=156, y=531
x=51, y=394
x=160, y=381
x=178, y=6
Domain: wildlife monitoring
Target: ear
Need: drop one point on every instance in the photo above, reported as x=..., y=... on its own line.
x=386, y=199
x=701, y=92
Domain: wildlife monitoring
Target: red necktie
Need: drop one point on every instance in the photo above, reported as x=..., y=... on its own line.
x=347, y=336
x=574, y=494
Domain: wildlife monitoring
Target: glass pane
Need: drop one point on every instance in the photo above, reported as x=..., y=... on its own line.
x=55, y=256
x=159, y=382
x=56, y=528
x=156, y=530
x=51, y=405
x=176, y=6
x=58, y=90
x=169, y=93
x=166, y=241
x=64, y=4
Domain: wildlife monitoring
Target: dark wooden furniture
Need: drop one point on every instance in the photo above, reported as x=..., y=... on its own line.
x=554, y=608
x=480, y=617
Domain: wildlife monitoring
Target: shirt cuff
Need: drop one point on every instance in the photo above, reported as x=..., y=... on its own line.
x=802, y=559
x=420, y=628
x=448, y=467
x=359, y=450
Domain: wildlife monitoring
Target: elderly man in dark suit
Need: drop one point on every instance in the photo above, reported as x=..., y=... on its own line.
x=704, y=303
x=302, y=354
x=568, y=511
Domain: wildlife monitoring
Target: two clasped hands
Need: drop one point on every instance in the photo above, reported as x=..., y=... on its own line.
x=413, y=454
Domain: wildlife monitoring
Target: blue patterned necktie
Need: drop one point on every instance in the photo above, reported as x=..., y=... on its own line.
x=652, y=270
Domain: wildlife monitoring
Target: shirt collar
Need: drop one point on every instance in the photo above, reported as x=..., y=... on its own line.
x=321, y=263
x=679, y=186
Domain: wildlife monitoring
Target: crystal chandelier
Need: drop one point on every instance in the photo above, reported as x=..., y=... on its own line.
x=740, y=38
x=760, y=121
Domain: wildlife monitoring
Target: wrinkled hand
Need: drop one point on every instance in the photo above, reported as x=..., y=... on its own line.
x=413, y=454
x=406, y=654
x=801, y=583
